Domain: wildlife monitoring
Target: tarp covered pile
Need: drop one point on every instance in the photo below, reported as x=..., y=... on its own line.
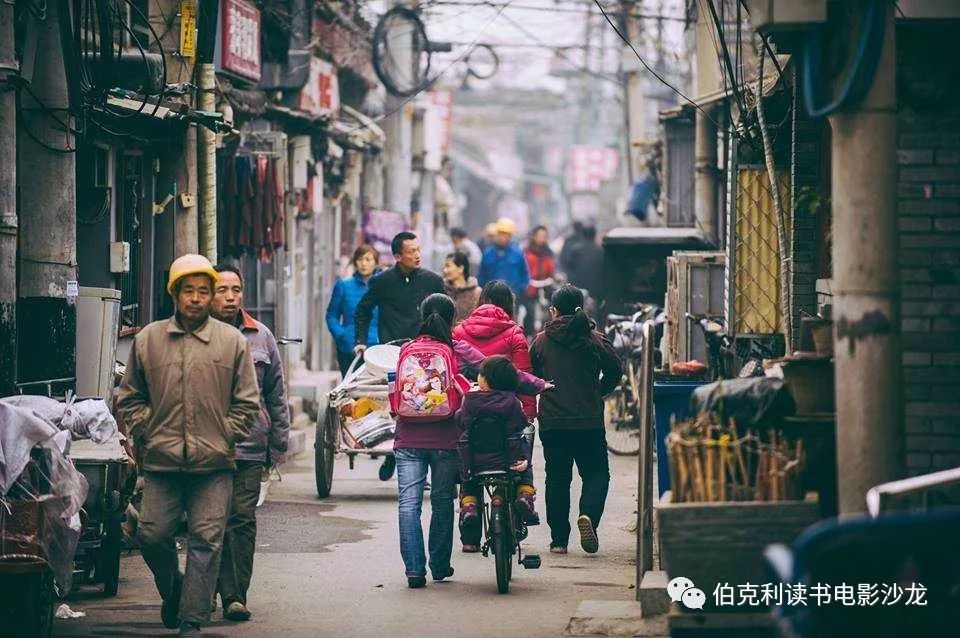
x=41, y=491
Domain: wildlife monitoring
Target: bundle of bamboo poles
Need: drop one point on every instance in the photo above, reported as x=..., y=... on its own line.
x=710, y=462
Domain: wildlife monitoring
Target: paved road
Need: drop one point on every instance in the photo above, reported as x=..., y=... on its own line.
x=332, y=568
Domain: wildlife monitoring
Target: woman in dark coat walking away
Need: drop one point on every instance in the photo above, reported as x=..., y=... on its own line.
x=583, y=363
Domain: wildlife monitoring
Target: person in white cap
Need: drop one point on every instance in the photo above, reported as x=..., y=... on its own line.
x=188, y=396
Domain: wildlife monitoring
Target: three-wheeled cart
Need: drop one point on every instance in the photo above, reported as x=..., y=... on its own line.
x=104, y=465
x=357, y=419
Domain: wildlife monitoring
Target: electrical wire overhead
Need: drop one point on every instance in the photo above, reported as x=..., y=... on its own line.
x=650, y=69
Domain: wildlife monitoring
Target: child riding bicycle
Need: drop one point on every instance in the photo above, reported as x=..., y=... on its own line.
x=492, y=425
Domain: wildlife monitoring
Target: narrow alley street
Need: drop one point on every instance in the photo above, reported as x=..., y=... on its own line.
x=332, y=568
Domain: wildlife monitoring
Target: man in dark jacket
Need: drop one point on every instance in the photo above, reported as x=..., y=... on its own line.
x=264, y=448
x=397, y=292
x=584, y=366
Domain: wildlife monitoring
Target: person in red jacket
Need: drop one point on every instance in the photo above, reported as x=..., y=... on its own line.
x=491, y=329
x=541, y=264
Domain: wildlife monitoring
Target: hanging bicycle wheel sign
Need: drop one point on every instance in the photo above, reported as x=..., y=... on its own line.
x=401, y=52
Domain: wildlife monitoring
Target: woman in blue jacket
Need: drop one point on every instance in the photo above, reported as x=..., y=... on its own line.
x=343, y=304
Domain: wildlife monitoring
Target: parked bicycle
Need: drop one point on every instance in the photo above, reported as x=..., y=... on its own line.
x=621, y=409
x=722, y=351
x=503, y=526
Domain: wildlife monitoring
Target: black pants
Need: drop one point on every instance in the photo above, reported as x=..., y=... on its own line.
x=344, y=359
x=561, y=449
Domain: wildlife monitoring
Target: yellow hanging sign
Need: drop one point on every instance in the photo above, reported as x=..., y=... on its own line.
x=188, y=28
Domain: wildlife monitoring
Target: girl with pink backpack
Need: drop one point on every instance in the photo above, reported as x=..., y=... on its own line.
x=428, y=391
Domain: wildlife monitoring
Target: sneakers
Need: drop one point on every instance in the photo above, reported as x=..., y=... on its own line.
x=438, y=577
x=189, y=630
x=588, y=535
x=527, y=509
x=416, y=582
x=237, y=611
x=170, y=608
x=558, y=549
x=470, y=549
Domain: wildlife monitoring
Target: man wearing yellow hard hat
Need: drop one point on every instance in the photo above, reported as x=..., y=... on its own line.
x=189, y=394
x=504, y=259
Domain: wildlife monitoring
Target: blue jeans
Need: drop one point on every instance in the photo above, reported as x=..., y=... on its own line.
x=412, y=467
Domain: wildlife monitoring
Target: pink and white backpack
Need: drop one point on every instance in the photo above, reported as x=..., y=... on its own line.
x=429, y=386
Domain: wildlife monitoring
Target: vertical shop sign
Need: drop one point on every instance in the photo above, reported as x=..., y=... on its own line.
x=188, y=28
x=321, y=94
x=240, y=39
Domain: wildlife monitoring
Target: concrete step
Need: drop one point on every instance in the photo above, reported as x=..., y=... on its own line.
x=298, y=443
x=615, y=618
x=295, y=404
x=301, y=421
x=654, y=599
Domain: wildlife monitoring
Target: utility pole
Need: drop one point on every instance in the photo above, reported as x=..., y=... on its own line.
x=48, y=232
x=9, y=70
x=634, y=91
x=184, y=174
x=705, y=132
x=866, y=287
x=208, y=176
x=398, y=128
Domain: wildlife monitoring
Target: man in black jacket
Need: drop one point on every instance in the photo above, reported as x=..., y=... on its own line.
x=398, y=293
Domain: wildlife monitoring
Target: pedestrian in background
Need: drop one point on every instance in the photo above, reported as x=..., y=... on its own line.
x=583, y=364
x=344, y=299
x=460, y=286
x=542, y=267
x=189, y=393
x=571, y=245
x=262, y=450
x=398, y=293
x=504, y=260
x=463, y=244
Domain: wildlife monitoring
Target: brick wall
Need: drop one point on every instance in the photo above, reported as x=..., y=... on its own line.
x=928, y=191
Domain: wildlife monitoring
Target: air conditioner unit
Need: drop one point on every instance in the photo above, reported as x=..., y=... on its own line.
x=695, y=285
x=98, y=318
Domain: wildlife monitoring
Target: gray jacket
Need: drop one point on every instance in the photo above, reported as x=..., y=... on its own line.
x=269, y=436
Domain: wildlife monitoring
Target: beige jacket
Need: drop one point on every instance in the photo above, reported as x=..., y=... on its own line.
x=187, y=398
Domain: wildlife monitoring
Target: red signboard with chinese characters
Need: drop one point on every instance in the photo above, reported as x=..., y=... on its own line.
x=321, y=94
x=240, y=39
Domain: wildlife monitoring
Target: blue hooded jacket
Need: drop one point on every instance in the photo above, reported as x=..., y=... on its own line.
x=347, y=293
x=507, y=264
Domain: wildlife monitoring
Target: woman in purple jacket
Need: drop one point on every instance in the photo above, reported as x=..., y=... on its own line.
x=419, y=447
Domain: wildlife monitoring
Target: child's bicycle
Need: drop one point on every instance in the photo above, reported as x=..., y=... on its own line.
x=503, y=527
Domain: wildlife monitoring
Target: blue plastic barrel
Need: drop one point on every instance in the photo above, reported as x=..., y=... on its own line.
x=670, y=399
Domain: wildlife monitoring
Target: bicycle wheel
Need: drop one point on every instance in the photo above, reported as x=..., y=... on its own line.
x=325, y=450
x=622, y=431
x=502, y=550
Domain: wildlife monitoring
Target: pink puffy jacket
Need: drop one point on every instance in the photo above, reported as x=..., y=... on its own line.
x=490, y=330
